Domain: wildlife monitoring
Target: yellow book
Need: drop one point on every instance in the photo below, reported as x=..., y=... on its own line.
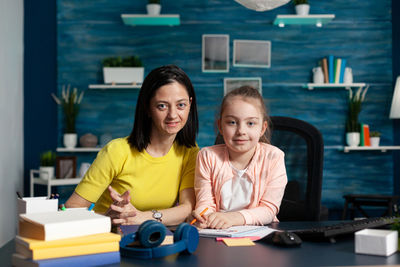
x=39, y=249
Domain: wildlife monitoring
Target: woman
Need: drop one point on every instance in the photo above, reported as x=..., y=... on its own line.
x=152, y=170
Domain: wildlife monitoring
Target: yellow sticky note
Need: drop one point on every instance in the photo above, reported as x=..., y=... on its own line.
x=235, y=242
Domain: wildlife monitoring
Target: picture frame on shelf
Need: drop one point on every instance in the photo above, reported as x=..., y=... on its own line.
x=252, y=53
x=215, y=53
x=65, y=167
x=233, y=83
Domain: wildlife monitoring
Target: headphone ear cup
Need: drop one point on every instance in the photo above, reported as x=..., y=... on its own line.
x=188, y=234
x=151, y=234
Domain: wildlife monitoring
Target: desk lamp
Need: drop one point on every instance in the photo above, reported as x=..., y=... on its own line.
x=395, y=109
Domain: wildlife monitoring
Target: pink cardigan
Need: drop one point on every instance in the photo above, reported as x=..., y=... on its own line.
x=266, y=171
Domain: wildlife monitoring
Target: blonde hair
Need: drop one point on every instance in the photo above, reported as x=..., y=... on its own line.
x=246, y=92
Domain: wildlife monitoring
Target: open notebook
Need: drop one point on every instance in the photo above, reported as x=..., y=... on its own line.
x=238, y=231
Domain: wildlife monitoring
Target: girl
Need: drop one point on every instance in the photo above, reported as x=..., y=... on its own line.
x=242, y=181
x=147, y=173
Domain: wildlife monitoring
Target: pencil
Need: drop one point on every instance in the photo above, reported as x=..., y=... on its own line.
x=201, y=214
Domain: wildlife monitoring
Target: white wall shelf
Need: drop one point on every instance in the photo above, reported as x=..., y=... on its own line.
x=115, y=86
x=315, y=19
x=78, y=149
x=347, y=149
x=148, y=20
x=312, y=86
x=34, y=179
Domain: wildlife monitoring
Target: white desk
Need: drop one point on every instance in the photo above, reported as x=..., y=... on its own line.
x=35, y=179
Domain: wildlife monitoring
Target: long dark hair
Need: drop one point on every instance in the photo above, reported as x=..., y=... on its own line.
x=141, y=132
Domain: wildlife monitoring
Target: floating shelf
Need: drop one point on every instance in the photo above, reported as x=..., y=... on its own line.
x=78, y=149
x=347, y=149
x=148, y=20
x=115, y=86
x=317, y=20
x=311, y=86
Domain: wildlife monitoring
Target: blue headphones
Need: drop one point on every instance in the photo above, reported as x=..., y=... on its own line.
x=151, y=234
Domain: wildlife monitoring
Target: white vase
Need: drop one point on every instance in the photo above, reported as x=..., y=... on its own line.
x=153, y=9
x=318, y=76
x=46, y=172
x=348, y=75
x=374, y=141
x=302, y=9
x=353, y=139
x=70, y=140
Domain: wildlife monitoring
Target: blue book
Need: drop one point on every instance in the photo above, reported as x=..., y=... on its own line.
x=84, y=260
x=342, y=67
x=331, y=70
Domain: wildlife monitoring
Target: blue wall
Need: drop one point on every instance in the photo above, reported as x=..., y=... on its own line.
x=88, y=31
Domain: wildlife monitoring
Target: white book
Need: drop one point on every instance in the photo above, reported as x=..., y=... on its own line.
x=62, y=224
x=238, y=231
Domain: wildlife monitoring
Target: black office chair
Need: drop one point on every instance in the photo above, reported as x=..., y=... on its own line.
x=304, y=150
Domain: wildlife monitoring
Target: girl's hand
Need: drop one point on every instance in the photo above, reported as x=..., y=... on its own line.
x=201, y=221
x=222, y=220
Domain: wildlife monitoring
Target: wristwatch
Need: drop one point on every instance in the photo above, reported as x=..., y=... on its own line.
x=157, y=215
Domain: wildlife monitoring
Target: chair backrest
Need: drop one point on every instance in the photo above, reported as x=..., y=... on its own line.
x=304, y=150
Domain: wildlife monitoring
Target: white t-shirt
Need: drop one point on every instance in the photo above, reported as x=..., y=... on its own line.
x=236, y=193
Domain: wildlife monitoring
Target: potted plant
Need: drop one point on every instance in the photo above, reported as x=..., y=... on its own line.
x=352, y=124
x=375, y=137
x=69, y=101
x=153, y=7
x=302, y=7
x=47, y=161
x=123, y=70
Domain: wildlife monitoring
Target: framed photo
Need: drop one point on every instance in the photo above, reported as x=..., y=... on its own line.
x=215, y=53
x=233, y=83
x=248, y=53
x=65, y=167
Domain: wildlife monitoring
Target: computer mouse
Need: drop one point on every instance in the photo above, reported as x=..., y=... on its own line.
x=283, y=239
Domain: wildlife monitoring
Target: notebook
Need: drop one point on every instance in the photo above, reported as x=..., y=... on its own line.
x=237, y=231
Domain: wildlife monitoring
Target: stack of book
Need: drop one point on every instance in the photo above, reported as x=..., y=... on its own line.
x=65, y=238
x=333, y=69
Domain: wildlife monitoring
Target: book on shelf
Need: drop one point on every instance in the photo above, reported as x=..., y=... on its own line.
x=84, y=260
x=62, y=224
x=237, y=231
x=362, y=135
x=338, y=62
x=331, y=68
x=365, y=133
x=39, y=249
x=342, y=68
x=324, y=64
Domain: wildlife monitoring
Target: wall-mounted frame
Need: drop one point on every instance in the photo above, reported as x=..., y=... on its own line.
x=65, y=167
x=215, y=53
x=233, y=83
x=251, y=53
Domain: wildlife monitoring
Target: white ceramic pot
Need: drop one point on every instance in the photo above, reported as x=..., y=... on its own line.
x=302, y=10
x=123, y=75
x=348, y=75
x=153, y=9
x=353, y=139
x=318, y=75
x=70, y=140
x=46, y=172
x=374, y=141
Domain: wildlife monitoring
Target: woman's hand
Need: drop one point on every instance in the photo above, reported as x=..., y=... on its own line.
x=201, y=221
x=121, y=211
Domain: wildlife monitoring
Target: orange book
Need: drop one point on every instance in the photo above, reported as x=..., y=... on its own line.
x=367, y=141
x=325, y=70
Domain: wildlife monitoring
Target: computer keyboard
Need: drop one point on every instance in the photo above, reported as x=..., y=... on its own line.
x=329, y=232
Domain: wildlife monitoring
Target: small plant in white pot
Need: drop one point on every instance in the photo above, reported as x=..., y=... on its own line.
x=375, y=138
x=128, y=70
x=153, y=7
x=352, y=124
x=302, y=7
x=69, y=101
x=47, y=161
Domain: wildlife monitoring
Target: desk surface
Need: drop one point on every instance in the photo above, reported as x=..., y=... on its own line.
x=213, y=253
